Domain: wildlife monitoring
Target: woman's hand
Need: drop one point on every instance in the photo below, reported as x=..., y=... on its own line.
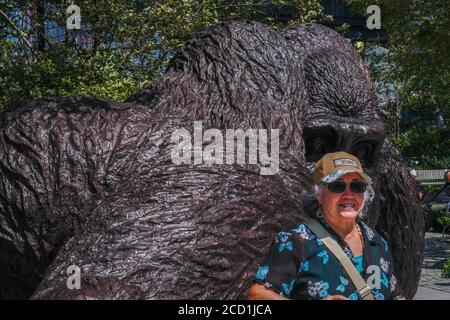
x=260, y=292
x=336, y=297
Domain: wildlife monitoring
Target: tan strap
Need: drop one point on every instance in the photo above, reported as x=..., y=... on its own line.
x=361, y=285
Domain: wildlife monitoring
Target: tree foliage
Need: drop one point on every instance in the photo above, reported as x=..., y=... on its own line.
x=413, y=68
x=123, y=44
x=127, y=44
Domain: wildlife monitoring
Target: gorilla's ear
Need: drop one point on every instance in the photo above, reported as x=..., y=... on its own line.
x=397, y=215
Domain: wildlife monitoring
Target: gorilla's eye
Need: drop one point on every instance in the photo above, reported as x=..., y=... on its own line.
x=318, y=145
x=364, y=151
x=318, y=142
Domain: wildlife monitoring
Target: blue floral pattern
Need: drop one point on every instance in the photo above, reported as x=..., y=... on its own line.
x=304, y=266
x=348, y=252
x=287, y=287
x=319, y=242
x=262, y=272
x=378, y=295
x=384, y=264
x=354, y=296
x=304, y=232
x=318, y=288
x=384, y=280
x=283, y=238
x=298, y=265
x=344, y=282
x=324, y=255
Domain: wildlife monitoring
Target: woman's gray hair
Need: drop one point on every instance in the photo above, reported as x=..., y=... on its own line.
x=311, y=205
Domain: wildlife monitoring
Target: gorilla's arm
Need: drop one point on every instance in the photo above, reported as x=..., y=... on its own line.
x=397, y=214
x=179, y=232
x=61, y=156
x=58, y=158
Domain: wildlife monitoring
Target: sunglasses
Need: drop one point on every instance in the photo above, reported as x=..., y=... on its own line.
x=339, y=186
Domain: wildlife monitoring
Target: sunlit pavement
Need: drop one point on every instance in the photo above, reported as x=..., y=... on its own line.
x=432, y=286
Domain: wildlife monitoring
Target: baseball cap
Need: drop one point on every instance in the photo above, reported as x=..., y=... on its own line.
x=334, y=165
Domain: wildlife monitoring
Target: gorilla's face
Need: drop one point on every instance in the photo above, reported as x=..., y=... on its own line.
x=340, y=115
x=332, y=137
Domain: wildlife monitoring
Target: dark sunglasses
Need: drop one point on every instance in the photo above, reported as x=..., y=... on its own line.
x=339, y=186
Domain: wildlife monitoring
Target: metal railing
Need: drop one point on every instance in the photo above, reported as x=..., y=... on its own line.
x=431, y=177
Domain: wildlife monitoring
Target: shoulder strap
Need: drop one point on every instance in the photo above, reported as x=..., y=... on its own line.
x=361, y=285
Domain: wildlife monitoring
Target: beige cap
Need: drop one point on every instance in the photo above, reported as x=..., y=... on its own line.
x=332, y=166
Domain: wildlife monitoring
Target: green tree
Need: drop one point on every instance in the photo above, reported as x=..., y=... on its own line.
x=124, y=46
x=415, y=67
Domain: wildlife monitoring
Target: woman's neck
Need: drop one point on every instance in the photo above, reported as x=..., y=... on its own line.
x=344, y=228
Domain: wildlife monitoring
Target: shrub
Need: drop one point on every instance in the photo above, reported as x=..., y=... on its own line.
x=443, y=220
x=446, y=269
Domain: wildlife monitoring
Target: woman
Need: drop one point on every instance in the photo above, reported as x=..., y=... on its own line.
x=299, y=265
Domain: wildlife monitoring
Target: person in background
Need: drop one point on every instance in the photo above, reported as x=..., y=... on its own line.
x=443, y=196
x=420, y=189
x=439, y=204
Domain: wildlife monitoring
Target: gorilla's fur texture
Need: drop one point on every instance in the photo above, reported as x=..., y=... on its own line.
x=91, y=183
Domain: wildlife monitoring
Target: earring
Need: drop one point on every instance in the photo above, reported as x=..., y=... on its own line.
x=319, y=213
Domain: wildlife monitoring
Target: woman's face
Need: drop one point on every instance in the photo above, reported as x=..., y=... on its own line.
x=343, y=206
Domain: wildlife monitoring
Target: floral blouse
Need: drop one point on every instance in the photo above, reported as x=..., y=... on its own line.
x=299, y=266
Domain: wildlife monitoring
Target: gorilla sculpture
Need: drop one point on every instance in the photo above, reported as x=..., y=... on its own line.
x=90, y=183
